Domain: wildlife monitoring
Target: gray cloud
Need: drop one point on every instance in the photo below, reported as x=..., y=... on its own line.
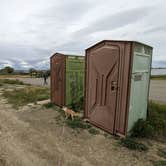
x=68, y=11
x=156, y=29
x=22, y=52
x=116, y=21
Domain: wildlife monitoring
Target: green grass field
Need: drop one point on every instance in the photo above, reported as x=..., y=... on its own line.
x=158, y=77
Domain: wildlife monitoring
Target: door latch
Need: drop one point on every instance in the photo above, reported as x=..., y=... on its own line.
x=114, y=86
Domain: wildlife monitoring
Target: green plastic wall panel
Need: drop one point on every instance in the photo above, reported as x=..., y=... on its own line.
x=75, y=68
x=139, y=84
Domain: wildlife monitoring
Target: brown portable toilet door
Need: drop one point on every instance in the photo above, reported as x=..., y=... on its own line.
x=58, y=77
x=102, y=86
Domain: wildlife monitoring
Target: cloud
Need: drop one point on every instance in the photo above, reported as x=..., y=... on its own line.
x=115, y=21
x=33, y=30
x=43, y=63
x=21, y=51
x=156, y=29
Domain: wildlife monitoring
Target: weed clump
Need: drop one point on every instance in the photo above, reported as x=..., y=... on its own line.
x=77, y=123
x=142, y=128
x=162, y=153
x=133, y=144
x=49, y=105
x=154, y=126
x=159, y=163
x=77, y=104
x=93, y=131
x=157, y=118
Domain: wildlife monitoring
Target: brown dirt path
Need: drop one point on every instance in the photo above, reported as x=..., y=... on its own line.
x=30, y=136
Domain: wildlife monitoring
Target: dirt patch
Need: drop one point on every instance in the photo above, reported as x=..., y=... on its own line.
x=31, y=136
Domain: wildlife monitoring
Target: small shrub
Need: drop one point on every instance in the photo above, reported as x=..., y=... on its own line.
x=159, y=163
x=93, y=131
x=133, y=145
x=142, y=128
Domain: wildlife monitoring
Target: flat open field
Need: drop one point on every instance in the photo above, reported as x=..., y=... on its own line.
x=157, y=87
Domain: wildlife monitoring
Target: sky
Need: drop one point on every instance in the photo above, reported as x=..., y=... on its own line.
x=32, y=30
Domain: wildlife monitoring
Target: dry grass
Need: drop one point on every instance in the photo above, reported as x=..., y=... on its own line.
x=11, y=81
x=13, y=76
x=158, y=77
x=21, y=97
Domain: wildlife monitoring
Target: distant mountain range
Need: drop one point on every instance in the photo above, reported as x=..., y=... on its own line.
x=44, y=64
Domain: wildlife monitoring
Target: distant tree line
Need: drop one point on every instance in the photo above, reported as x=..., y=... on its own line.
x=32, y=72
x=7, y=70
x=38, y=73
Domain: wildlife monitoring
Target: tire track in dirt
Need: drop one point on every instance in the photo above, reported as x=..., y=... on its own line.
x=25, y=146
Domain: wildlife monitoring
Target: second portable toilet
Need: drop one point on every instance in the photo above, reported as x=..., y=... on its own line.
x=67, y=78
x=117, y=84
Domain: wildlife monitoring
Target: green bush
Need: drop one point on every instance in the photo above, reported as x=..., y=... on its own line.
x=133, y=144
x=142, y=128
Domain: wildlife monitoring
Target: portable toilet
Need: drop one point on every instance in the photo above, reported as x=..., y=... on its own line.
x=67, y=78
x=117, y=84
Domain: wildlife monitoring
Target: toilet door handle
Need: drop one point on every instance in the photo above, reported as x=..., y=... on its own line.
x=114, y=86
